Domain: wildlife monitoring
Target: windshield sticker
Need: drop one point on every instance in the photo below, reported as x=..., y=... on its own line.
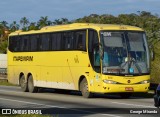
x=91, y=82
x=107, y=34
x=97, y=77
x=131, y=70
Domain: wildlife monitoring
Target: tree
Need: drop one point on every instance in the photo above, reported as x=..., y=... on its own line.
x=64, y=20
x=57, y=22
x=3, y=47
x=3, y=28
x=44, y=22
x=61, y=21
x=24, y=22
x=14, y=26
x=4, y=24
x=33, y=26
x=3, y=31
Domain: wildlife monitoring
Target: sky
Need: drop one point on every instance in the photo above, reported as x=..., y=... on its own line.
x=14, y=10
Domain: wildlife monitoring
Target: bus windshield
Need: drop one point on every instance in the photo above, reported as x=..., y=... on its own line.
x=125, y=53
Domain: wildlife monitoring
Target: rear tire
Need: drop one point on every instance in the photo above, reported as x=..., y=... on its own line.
x=23, y=84
x=31, y=86
x=84, y=89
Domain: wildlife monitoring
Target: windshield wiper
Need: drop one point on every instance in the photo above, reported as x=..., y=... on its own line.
x=136, y=64
x=122, y=67
x=129, y=63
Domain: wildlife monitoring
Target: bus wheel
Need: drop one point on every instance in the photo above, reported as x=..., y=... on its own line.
x=31, y=86
x=84, y=89
x=23, y=84
x=125, y=95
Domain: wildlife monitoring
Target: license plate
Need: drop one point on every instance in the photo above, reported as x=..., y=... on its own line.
x=129, y=88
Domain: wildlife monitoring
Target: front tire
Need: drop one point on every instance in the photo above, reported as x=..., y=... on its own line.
x=84, y=89
x=31, y=86
x=23, y=84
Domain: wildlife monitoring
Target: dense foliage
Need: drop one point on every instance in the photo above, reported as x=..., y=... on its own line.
x=146, y=20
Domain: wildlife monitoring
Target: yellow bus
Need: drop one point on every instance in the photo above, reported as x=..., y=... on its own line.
x=91, y=58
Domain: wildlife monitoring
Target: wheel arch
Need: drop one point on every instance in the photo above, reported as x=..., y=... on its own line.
x=29, y=74
x=80, y=80
x=20, y=75
x=33, y=77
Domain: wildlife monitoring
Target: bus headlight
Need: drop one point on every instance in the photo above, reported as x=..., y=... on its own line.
x=144, y=82
x=109, y=82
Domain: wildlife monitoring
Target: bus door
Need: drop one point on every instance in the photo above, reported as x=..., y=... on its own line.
x=94, y=56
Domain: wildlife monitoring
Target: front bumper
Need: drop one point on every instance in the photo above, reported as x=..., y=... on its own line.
x=119, y=88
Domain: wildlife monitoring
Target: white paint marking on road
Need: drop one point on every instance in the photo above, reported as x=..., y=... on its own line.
x=58, y=107
x=144, y=106
x=10, y=91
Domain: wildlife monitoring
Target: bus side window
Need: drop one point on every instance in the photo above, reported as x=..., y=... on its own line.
x=81, y=40
x=79, y=43
x=53, y=41
x=17, y=44
x=56, y=43
x=34, y=43
x=67, y=41
x=44, y=42
x=12, y=44
x=59, y=41
x=25, y=44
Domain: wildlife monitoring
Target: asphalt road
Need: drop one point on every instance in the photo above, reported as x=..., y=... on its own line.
x=48, y=101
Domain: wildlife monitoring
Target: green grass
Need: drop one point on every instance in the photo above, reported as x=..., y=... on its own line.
x=6, y=83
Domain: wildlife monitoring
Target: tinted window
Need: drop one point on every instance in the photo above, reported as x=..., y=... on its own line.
x=93, y=50
x=11, y=43
x=24, y=43
x=67, y=43
x=34, y=42
x=80, y=40
x=54, y=41
x=70, y=40
x=93, y=39
x=45, y=42
x=16, y=44
x=58, y=35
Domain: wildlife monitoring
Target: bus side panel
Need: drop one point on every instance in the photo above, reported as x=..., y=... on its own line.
x=61, y=69
x=12, y=78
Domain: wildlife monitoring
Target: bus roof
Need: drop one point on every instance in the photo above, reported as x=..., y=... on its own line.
x=76, y=26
